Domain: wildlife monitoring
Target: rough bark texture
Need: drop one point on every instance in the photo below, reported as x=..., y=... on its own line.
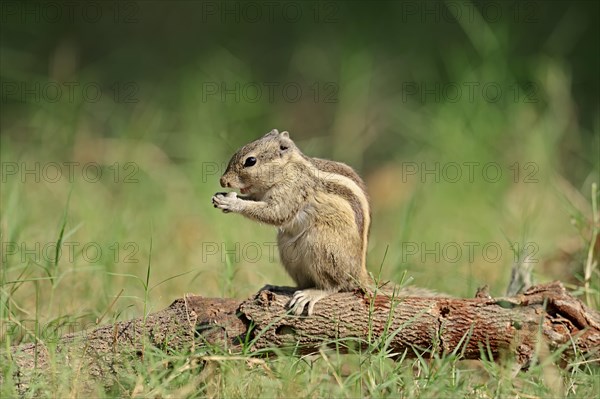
x=411, y=324
x=435, y=324
x=100, y=354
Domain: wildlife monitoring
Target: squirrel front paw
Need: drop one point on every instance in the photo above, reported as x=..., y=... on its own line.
x=306, y=297
x=227, y=202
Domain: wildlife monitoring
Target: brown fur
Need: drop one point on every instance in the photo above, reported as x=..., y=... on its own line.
x=320, y=207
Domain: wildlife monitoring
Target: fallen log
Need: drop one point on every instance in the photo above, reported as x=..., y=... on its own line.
x=403, y=326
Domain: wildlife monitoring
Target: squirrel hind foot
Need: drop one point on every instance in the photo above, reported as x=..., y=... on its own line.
x=302, y=298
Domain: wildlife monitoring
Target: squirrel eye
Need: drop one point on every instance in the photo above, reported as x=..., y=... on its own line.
x=283, y=147
x=250, y=161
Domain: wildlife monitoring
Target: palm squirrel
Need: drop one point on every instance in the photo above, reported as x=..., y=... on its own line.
x=320, y=207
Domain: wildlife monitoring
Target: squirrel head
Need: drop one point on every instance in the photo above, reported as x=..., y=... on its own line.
x=261, y=164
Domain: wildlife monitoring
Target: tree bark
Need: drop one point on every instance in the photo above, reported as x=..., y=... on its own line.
x=402, y=325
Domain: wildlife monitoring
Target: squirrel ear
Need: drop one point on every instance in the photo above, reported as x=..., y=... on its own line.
x=285, y=135
x=273, y=132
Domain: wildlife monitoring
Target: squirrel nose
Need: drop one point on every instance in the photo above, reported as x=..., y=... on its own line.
x=224, y=182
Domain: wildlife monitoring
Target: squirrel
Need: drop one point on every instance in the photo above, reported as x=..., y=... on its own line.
x=321, y=209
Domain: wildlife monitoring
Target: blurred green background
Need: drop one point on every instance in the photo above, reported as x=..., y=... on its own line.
x=475, y=126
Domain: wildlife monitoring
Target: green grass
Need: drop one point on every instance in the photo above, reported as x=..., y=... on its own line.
x=144, y=232
x=370, y=372
x=160, y=238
